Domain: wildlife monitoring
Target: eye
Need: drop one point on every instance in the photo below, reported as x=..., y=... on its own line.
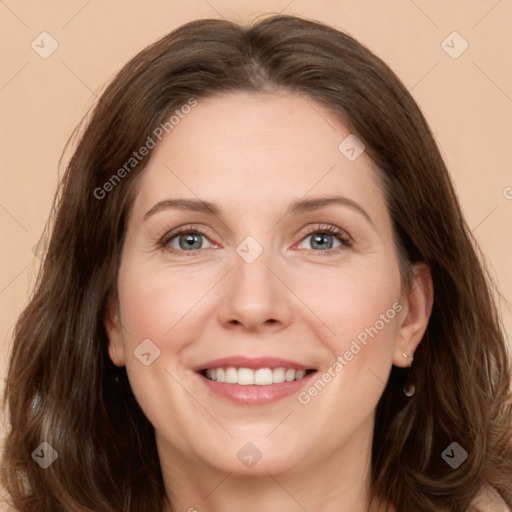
x=324, y=238
x=327, y=239
x=186, y=240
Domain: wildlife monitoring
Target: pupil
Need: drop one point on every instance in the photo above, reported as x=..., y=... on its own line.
x=323, y=241
x=189, y=241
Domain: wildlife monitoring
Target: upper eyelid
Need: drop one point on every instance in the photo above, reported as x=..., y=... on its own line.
x=168, y=235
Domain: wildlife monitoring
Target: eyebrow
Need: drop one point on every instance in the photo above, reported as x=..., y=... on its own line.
x=297, y=207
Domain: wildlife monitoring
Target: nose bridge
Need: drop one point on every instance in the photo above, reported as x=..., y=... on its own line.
x=252, y=280
x=253, y=296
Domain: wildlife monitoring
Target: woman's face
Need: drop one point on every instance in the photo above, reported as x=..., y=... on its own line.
x=284, y=262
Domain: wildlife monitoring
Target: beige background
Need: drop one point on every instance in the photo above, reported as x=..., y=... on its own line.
x=467, y=101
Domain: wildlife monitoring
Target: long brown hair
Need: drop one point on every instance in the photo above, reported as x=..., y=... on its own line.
x=62, y=387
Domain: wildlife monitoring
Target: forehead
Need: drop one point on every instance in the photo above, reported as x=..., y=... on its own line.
x=251, y=149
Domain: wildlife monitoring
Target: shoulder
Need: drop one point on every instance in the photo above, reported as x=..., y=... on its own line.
x=488, y=500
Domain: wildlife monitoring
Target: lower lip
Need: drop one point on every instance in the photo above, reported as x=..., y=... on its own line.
x=254, y=394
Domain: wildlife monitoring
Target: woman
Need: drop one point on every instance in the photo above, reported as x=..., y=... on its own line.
x=259, y=293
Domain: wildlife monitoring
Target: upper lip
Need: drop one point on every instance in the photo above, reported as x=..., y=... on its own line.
x=252, y=362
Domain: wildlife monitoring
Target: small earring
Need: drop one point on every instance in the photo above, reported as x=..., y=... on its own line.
x=407, y=357
x=409, y=389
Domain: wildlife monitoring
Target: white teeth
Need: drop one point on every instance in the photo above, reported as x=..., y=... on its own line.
x=263, y=377
x=289, y=375
x=278, y=375
x=260, y=377
x=231, y=376
x=245, y=377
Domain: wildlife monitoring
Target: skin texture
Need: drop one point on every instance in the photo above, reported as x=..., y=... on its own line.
x=253, y=155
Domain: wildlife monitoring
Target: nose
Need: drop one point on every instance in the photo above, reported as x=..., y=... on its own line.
x=254, y=297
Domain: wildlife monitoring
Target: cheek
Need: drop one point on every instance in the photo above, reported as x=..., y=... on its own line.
x=356, y=304
x=153, y=304
x=159, y=311
x=156, y=309
x=362, y=311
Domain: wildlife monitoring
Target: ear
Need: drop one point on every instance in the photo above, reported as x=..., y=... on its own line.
x=112, y=324
x=417, y=301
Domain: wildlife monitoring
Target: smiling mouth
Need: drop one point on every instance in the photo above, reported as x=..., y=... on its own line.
x=258, y=377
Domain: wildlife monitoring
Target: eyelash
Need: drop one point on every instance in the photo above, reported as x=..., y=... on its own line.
x=343, y=237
